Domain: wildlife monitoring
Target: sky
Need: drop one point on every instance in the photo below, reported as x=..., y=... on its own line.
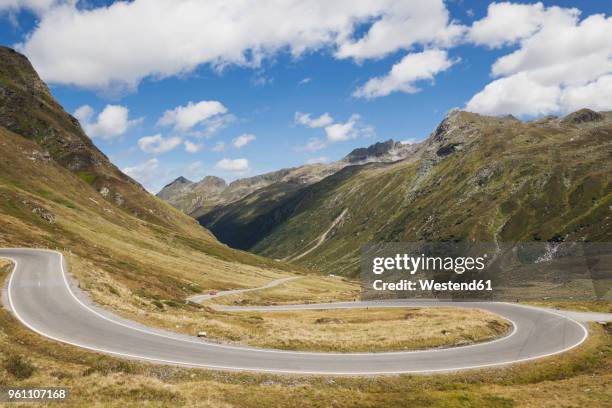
x=185, y=87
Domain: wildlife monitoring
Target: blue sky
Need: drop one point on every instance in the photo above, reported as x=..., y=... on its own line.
x=173, y=88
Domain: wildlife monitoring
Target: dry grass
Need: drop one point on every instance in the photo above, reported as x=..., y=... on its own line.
x=375, y=329
x=309, y=289
x=581, y=377
x=368, y=330
x=581, y=306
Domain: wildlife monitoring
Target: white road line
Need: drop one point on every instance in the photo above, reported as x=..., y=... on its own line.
x=250, y=369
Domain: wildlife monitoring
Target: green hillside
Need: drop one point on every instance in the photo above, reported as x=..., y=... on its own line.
x=475, y=178
x=57, y=190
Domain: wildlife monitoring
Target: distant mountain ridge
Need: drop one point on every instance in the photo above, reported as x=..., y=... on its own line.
x=198, y=198
x=475, y=178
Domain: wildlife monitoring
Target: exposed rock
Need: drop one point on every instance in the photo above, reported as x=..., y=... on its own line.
x=40, y=157
x=119, y=199
x=44, y=214
x=104, y=191
x=583, y=116
x=388, y=151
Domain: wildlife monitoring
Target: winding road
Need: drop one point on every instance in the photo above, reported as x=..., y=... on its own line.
x=41, y=295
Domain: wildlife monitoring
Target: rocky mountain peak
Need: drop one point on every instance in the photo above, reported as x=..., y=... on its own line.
x=22, y=73
x=583, y=116
x=387, y=151
x=180, y=180
x=213, y=181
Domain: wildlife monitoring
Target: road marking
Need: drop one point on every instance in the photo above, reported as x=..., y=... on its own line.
x=252, y=369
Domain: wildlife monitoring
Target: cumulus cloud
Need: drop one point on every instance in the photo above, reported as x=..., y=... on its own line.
x=343, y=131
x=191, y=147
x=93, y=47
x=111, y=123
x=186, y=117
x=334, y=131
x=305, y=119
x=507, y=23
x=144, y=173
x=37, y=6
x=596, y=95
x=404, y=24
x=562, y=63
x=509, y=95
x=158, y=144
x=238, y=166
x=243, y=140
x=403, y=75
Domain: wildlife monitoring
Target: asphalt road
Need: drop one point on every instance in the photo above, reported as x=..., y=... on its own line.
x=42, y=297
x=271, y=284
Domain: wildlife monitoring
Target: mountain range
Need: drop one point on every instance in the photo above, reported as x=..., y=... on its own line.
x=198, y=198
x=475, y=178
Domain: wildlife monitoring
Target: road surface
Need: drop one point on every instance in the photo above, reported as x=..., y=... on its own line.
x=271, y=284
x=42, y=297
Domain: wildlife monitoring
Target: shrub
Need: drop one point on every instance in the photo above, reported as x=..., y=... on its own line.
x=19, y=367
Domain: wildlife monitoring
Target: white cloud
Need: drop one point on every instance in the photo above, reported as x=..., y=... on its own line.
x=233, y=165
x=596, y=95
x=144, y=173
x=37, y=6
x=316, y=160
x=191, y=147
x=112, y=122
x=219, y=147
x=561, y=64
x=304, y=81
x=84, y=114
x=94, y=47
x=509, y=95
x=403, y=75
x=342, y=131
x=350, y=129
x=157, y=144
x=243, y=140
x=305, y=119
x=404, y=24
x=186, y=117
x=507, y=23
x=334, y=131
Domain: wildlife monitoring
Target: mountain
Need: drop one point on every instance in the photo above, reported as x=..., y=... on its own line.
x=28, y=109
x=187, y=195
x=57, y=190
x=200, y=198
x=475, y=178
x=388, y=151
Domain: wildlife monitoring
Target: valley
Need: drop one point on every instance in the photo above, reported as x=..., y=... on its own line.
x=475, y=178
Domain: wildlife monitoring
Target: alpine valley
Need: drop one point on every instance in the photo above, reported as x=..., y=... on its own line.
x=475, y=178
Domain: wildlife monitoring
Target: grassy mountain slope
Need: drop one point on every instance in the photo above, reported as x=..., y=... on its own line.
x=27, y=108
x=475, y=178
x=58, y=190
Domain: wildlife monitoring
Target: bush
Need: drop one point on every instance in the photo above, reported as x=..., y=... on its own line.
x=19, y=367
